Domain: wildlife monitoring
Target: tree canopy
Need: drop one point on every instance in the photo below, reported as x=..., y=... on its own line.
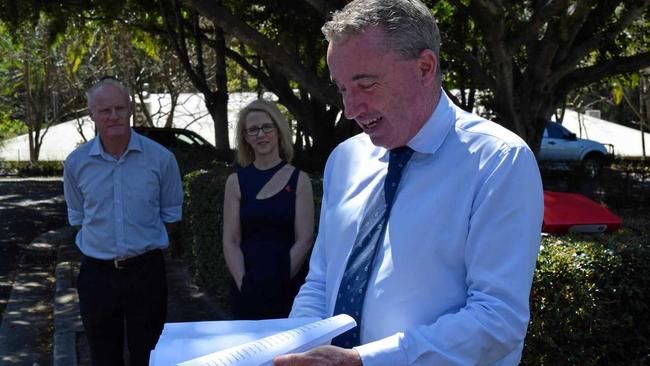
x=522, y=57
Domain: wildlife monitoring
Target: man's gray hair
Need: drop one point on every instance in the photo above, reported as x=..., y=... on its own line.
x=107, y=80
x=408, y=24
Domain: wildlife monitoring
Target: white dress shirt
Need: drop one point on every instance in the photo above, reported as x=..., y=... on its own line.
x=122, y=204
x=451, y=283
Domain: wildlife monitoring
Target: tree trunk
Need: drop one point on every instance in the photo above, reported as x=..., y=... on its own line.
x=220, y=115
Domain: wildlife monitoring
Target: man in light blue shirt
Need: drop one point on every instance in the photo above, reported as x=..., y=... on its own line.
x=122, y=189
x=452, y=271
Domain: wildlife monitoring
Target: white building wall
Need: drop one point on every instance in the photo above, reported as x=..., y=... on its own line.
x=190, y=113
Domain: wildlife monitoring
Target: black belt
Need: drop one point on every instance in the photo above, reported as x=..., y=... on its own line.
x=125, y=262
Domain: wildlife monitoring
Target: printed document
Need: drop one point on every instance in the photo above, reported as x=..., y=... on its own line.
x=243, y=342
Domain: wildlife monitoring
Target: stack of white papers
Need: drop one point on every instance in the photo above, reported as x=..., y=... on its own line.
x=242, y=342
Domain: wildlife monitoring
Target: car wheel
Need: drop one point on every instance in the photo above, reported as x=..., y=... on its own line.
x=592, y=165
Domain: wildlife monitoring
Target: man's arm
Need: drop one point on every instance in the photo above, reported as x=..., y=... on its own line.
x=72, y=194
x=171, y=193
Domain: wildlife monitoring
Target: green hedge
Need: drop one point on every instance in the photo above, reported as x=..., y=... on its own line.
x=199, y=236
x=589, y=300
x=29, y=169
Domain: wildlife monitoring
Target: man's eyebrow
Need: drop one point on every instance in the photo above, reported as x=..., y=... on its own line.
x=358, y=77
x=364, y=76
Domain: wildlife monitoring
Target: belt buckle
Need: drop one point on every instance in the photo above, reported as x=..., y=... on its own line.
x=118, y=263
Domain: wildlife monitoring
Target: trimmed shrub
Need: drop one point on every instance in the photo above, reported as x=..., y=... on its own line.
x=31, y=169
x=199, y=235
x=589, y=301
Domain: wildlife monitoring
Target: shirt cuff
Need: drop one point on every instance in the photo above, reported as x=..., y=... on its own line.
x=171, y=214
x=383, y=352
x=75, y=218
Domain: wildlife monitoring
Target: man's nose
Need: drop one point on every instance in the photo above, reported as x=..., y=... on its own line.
x=352, y=103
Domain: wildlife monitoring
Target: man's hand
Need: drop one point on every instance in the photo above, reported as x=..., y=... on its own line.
x=321, y=356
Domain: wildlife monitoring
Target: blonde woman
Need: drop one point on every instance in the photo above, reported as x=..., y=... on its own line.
x=268, y=216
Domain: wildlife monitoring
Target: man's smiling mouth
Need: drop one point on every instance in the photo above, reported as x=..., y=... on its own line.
x=370, y=124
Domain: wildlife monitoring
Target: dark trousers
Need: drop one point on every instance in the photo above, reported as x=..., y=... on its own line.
x=111, y=299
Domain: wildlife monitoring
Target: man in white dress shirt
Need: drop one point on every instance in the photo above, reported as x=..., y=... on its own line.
x=123, y=190
x=451, y=276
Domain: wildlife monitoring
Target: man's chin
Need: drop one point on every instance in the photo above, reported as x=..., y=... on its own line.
x=378, y=140
x=117, y=132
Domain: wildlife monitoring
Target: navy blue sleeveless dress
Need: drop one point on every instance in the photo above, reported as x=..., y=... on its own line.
x=267, y=235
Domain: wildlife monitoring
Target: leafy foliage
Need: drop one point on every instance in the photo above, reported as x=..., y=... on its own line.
x=589, y=302
x=32, y=169
x=201, y=230
x=10, y=127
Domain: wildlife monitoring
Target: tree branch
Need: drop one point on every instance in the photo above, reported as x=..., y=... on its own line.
x=577, y=53
x=587, y=75
x=180, y=46
x=272, y=54
x=528, y=30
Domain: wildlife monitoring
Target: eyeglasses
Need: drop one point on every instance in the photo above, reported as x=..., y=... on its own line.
x=267, y=128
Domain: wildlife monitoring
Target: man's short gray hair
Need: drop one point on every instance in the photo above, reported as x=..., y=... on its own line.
x=410, y=28
x=107, y=80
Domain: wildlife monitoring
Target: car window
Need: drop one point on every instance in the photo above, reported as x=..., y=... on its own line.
x=554, y=131
x=183, y=140
x=557, y=131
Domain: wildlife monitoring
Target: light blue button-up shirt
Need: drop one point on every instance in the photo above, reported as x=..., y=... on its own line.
x=451, y=281
x=122, y=204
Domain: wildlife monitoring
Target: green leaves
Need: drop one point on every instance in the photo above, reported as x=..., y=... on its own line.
x=147, y=43
x=588, y=293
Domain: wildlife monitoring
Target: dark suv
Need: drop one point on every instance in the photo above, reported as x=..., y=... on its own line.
x=192, y=151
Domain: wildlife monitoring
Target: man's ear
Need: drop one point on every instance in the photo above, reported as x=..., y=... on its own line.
x=427, y=65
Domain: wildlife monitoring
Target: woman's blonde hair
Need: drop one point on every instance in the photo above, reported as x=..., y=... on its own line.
x=245, y=153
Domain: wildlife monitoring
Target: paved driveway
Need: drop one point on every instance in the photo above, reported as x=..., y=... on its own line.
x=28, y=208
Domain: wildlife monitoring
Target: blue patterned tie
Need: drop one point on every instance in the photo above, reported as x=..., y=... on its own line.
x=352, y=290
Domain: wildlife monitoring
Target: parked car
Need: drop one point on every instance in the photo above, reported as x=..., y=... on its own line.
x=192, y=151
x=559, y=145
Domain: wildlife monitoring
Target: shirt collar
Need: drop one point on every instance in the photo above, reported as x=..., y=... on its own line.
x=135, y=144
x=433, y=133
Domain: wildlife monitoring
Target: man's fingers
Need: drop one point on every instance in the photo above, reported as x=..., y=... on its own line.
x=287, y=360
